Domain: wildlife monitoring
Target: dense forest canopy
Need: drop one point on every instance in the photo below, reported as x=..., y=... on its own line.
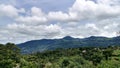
x=83, y=57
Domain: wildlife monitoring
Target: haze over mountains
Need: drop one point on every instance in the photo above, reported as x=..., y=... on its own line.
x=67, y=42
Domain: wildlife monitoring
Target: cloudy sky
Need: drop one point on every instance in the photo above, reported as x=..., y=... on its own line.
x=23, y=20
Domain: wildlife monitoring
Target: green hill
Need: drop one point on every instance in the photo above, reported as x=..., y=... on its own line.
x=67, y=42
x=83, y=57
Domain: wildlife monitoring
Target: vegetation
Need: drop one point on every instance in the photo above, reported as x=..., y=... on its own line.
x=83, y=57
x=67, y=42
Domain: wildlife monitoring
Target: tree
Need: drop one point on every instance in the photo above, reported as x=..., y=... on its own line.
x=107, y=53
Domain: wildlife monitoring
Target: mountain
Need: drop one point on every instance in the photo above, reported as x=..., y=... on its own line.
x=68, y=38
x=67, y=42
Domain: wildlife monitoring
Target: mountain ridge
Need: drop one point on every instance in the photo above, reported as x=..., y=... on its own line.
x=67, y=42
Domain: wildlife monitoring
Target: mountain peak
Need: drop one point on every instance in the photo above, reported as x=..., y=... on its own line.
x=68, y=38
x=67, y=42
x=96, y=37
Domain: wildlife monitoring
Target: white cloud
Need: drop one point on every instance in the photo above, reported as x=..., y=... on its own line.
x=33, y=20
x=35, y=31
x=22, y=33
x=87, y=9
x=85, y=18
x=36, y=12
x=58, y=16
x=81, y=10
x=36, y=17
x=10, y=11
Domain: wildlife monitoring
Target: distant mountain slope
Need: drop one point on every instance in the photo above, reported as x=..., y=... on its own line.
x=67, y=42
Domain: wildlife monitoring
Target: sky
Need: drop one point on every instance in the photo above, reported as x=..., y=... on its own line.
x=23, y=20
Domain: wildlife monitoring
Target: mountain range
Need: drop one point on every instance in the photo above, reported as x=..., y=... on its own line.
x=67, y=42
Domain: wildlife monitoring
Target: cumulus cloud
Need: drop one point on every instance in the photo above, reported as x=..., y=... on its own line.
x=34, y=20
x=58, y=16
x=88, y=9
x=84, y=18
x=81, y=10
x=37, y=12
x=10, y=11
x=21, y=32
x=40, y=30
x=36, y=17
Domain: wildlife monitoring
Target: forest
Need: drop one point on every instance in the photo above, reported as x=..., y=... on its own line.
x=82, y=57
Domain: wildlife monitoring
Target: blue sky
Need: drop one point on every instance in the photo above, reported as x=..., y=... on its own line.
x=45, y=5
x=23, y=20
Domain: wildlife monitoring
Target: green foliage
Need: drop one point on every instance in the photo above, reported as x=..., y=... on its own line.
x=95, y=55
x=9, y=55
x=7, y=63
x=109, y=64
x=85, y=57
x=72, y=62
x=108, y=53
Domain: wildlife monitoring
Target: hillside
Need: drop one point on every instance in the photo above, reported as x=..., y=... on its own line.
x=67, y=42
x=83, y=57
